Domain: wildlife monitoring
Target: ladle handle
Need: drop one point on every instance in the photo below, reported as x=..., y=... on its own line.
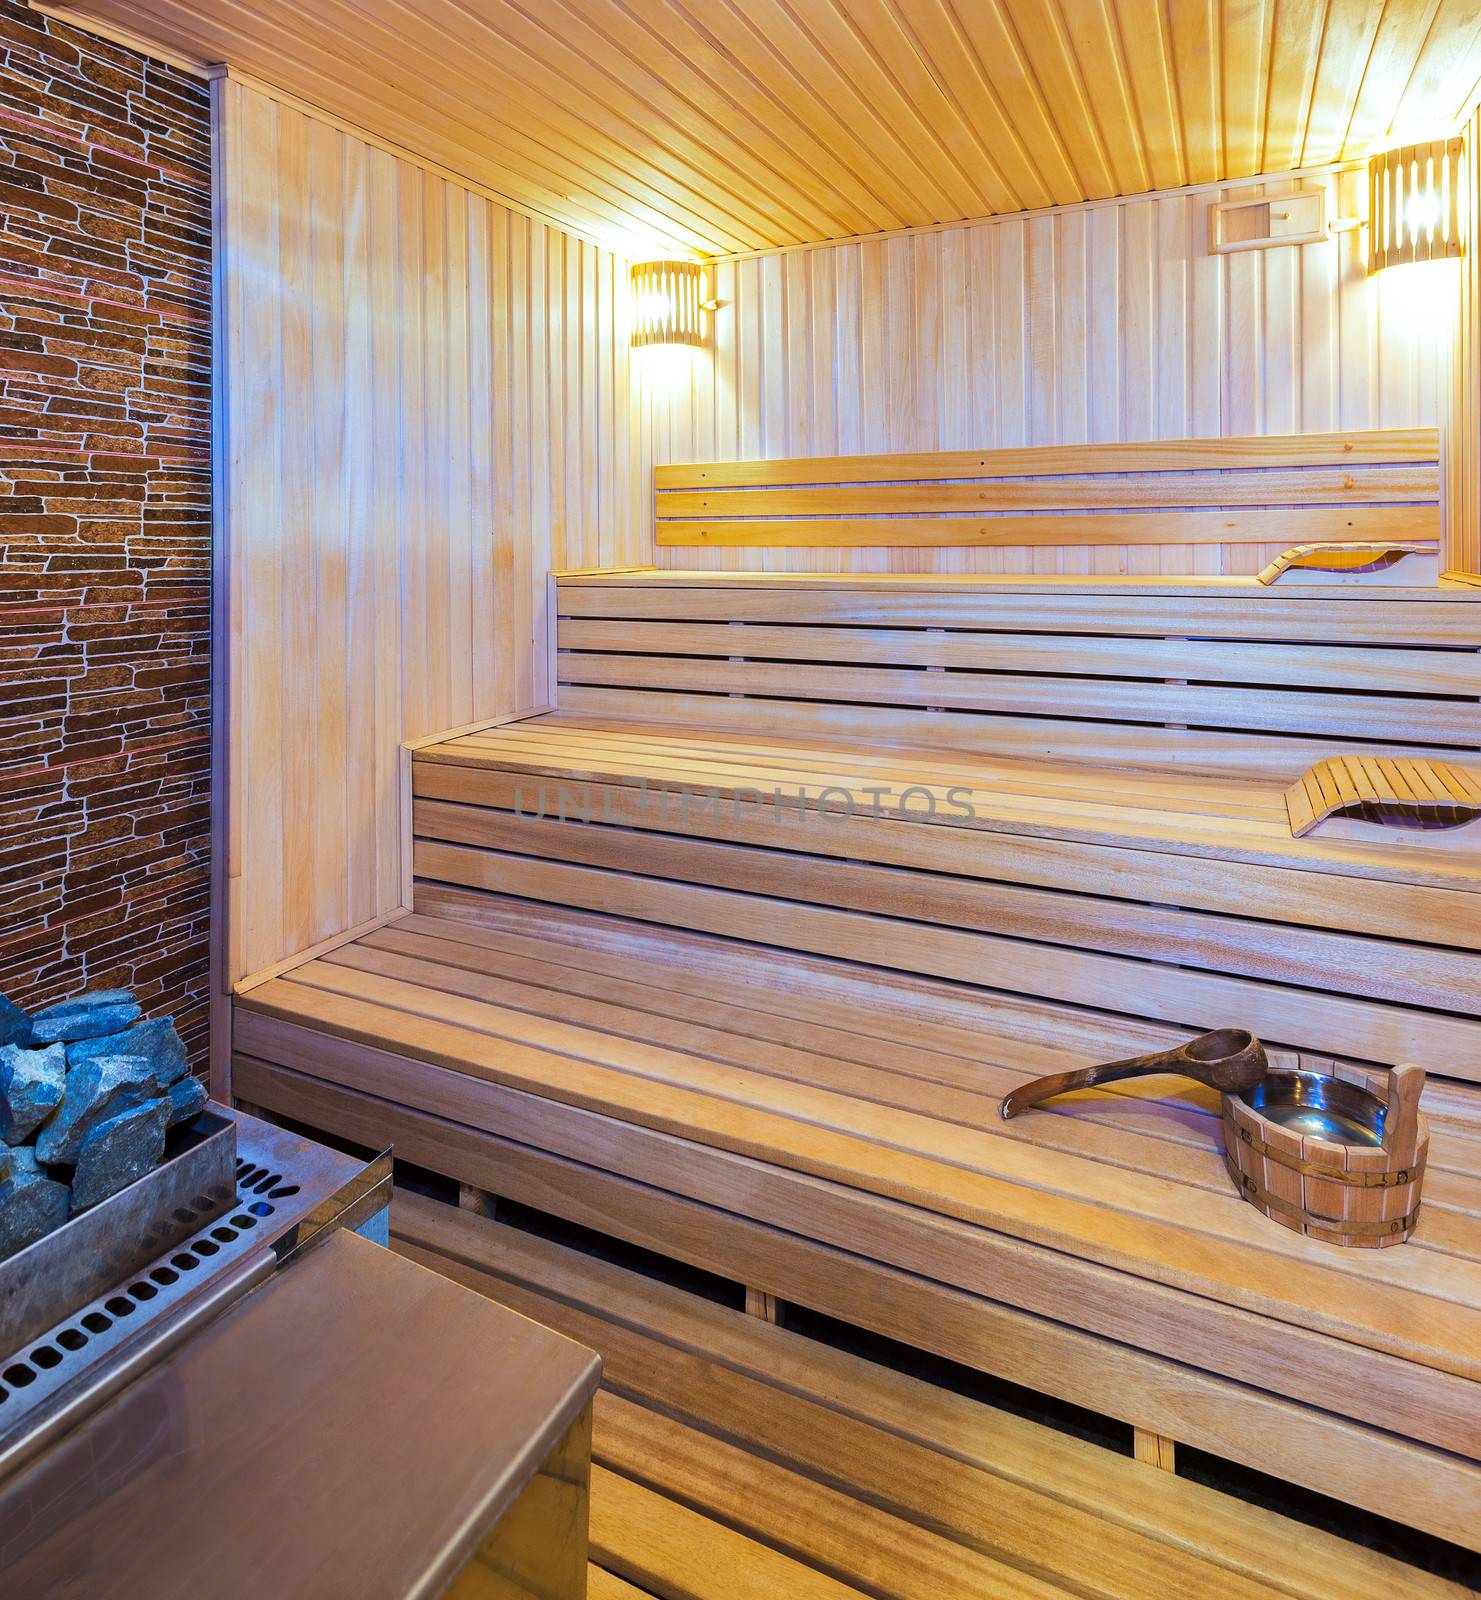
x=1032, y=1094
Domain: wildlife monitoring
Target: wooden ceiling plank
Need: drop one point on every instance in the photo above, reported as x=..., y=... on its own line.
x=1444, y=75
x=1196, y=48
x=971, y=129
x=1096, y=48
x=624, y=102
x=856, y=56
x=935, y=27
x=1056, y=79
x=998, y=59
x=1146, y=49
x=700, y=70
x=727, y=126
x=1401, y=36
x=688, y=173
x=834, y=123
x=812, y=87
x=1245, y=63
x=504, y=157
x=1299, y=28
x=1351, y=29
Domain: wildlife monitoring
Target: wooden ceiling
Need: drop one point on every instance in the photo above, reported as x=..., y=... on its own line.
x=728, y=125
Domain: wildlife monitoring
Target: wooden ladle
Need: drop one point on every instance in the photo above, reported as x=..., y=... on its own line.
x=1229, y=1059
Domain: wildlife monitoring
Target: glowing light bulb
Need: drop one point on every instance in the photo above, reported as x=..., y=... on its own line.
x=1422, y=212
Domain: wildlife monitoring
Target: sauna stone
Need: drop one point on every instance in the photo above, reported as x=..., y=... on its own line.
x=155, y=1041
x=186, y=1099
x=32, y=1083
x=96, y=1090
x=85, y=1016
x=15, y=1025
x=31, y=1204
x=118, y=1151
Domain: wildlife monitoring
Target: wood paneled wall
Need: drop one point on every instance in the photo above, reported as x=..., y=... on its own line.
x=424, y=405
x=1463, y=465
x=1094, y=323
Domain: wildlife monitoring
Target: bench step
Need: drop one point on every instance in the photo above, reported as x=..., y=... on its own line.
x=733, y=1459
x=1181, y=898
x=829, y=1136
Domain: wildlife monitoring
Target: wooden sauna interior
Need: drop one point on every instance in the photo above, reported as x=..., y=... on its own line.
x=673, y=792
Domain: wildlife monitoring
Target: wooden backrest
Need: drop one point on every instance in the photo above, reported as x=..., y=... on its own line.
x=1212, y=676
x=1292, y=489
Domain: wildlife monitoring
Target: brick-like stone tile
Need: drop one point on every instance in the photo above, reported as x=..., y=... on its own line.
x=105, y=403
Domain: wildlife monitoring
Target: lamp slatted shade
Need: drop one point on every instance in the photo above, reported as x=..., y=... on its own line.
x=667, y=306
x=1414, y=204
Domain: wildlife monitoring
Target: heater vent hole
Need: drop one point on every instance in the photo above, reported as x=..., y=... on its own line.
x=283, y=1192
x=142, y=1292
x=164, y=1277
x=96, y=1322
x=184, y=1262
x=241, y=1220
x=119, y=1307
x=225, y=1235
x=71, y=1338
x=19, y=1376
x=47, y=1357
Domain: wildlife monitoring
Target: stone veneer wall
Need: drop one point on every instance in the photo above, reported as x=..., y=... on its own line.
x=105, y=538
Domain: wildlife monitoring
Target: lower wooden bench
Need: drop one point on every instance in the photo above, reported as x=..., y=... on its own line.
x=737, y=1461
x=828, y=1134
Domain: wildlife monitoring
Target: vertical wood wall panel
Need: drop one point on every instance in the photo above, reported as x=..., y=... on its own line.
x=426, y=407
x=1093, y=323
x=1463, y=466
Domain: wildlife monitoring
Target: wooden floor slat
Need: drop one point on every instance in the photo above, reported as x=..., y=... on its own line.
x=723, y=1440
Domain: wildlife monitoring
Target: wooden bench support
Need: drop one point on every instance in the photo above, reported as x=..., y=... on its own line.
x=734, y=1460
x=761, y=1304
x=1155, y=1449
x=479, y=1201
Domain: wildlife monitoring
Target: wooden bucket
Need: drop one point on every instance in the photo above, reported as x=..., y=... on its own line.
x=1357, y=1193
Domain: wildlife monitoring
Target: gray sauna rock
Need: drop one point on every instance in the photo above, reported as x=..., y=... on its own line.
x=31, y=1205
x=118, y=1151
x=15, y=1025
x=84, y=1016
x=187, y=1098
x=96, y=1090
x=155, y=1041
x=32, y=1083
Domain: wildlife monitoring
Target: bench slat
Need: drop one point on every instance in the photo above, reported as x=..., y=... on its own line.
x=1069, y=739
x=1377, y=485
x=1411, y=671
x=1309, y=525
x=1155, y=455
x=1386, y=969
x=1348, y=617
x=1349, y=715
